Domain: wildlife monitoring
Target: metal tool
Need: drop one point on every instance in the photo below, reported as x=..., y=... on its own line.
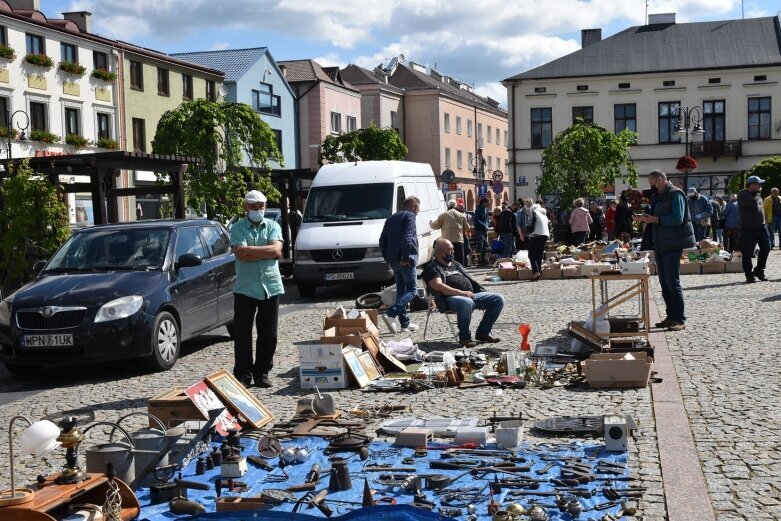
x=323, y=404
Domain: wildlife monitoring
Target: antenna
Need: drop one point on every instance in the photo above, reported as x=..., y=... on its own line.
x=742, y=13
x=646, y=12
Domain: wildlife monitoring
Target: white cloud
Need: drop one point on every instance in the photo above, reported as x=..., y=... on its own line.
x=493, y=90
x=219, y=46
x=330, y=60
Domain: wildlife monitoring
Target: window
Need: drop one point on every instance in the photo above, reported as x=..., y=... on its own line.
x=211, y=93
x=136, y=75
x=490, y=163
x=497, y=137
x=38, y=119
x=584, y=113
x=394, y=119
x=480, y=133
x=100, y=60
x=714, y=80
x=505, y=138
x=69, y=53
x=542, y=127
x=624, y=85
x=625, y=116
x=104, y=126
x=264, y=100
x=187, y=86
x=761, y=77
x=469, y=158
x=459, y=159
x=278, y=138
x=668, y=121
x=540, y=90
x=214, y=241
x=188, y=241
x=581, y=87
x=4, y=112
x=72, y=121
x=447, y=158
x=713, y=122
x=3, y=35
x=458, y=125
x=162, y=82
x=336, y=123
x=759, y=118
x=352, y=123
x=35, y=44
x=447, y=122
x=469, y=128
x=400, y=197
x=490, y=133
x=139, y=135
x=668, y=83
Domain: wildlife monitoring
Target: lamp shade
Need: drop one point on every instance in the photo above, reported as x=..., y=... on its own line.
x=39, y=438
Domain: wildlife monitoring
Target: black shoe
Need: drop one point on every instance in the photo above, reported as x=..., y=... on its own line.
x=246, y=381
x=750, y=280
x=468, y=342
x=760, y=276
x=664, y=323
x=263, y=381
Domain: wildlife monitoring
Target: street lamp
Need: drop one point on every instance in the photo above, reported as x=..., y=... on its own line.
x=689, y=121
x=9, y=137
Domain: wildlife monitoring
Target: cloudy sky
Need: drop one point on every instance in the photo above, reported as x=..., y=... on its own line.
x=480, y=42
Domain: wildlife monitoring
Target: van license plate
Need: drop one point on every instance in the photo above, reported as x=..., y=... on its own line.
x=47, y=340
x=340, y=276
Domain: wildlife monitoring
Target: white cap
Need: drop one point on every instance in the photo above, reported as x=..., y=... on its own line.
x=253, y=196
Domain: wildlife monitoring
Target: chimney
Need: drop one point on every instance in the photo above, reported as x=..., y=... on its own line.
x=283, y=68
x=83, y=19
x=661, y=18
x=25, y=5
x=589, y=36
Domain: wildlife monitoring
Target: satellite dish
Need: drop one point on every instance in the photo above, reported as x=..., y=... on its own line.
x=223, y=90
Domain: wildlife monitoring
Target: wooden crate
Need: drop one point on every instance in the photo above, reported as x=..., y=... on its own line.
x=173, y=407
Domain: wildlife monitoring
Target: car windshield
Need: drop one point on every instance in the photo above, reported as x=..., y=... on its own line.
x=132, y=249
x=349, y=202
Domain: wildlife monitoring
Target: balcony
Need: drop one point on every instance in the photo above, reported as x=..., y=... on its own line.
x=717, y=148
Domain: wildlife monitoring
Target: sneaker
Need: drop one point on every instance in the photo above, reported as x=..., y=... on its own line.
x=392, y=323
x=263, y=381
x=664, y=323
x=410, y=328
x=467, y=342
x=676, y=326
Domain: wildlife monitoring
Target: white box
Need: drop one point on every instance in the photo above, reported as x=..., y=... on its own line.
x=478, y=435
x=509, y=434
x=322, y=365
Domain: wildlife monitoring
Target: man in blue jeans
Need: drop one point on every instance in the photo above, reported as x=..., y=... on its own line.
x=454, y=290
x=399, y=247
x=672, y=232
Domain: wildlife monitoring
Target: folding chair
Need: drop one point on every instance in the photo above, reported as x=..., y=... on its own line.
x=432, y=308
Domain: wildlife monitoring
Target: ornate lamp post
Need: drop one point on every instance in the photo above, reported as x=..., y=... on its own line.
x=689, y=122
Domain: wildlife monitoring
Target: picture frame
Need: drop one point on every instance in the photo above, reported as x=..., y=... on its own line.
x=205, y=399
x=369, y=367
x=355, y=367
x=238, y=399
x=545, y=350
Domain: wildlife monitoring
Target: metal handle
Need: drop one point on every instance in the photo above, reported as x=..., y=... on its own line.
x=138, y=413
x=123, y=431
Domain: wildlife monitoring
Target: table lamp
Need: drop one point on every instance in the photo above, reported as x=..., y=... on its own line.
x=39, y=438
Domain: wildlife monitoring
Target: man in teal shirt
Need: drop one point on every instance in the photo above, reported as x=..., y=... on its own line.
x=257, y=244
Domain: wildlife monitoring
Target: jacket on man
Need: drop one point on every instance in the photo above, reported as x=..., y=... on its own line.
x=434, y=270
x=671, y=233
x=752, y=210
x=768, y=204
x=399, y=239
x=453, y=225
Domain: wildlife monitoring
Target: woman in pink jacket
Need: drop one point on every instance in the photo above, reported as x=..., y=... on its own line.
x=579, y=221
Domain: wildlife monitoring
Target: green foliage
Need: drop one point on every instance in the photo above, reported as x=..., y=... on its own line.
x=41, y=60
x=33, y=225
x=76, y=141
x=108, y=144
x=7, y=52
x=198, y=128
x=768, y=169
x=72, y=68
x=367, y=144
x=43, y=136
x=103, y=74
x=583, y=158
x=4, y=132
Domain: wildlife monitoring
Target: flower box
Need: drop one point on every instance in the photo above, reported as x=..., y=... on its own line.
x=108, y=144
x=76, y=141
x=43, y=136
x=40, y=60
x=7, y=52
x=103, y=74
x=72, y=68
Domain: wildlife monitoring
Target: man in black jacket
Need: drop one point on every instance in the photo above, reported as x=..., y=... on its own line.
x=752, y=229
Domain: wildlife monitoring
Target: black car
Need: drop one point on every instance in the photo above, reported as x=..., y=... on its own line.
x=121, y=291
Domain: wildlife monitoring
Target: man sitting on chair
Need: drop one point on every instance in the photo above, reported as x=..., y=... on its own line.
x=456, y=291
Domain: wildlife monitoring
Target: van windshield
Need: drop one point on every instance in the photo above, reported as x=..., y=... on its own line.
x=349, y=202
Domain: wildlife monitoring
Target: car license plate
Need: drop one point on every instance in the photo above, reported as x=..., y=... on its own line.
x=339, y=276
x=47, y=340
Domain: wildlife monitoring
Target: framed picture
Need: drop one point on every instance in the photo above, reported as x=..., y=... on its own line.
x=369, y=367
x=545, y=350
x=356, y=369
x=205, y=400
x=239, y=399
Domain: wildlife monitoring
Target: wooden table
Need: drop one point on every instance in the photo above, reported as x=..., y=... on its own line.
x=638, y=288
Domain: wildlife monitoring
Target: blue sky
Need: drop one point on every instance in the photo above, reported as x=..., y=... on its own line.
x=480, y=42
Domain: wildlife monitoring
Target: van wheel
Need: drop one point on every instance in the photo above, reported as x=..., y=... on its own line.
x=165, y=342
x=369, y=301
x=306, y=290
x=23, y=370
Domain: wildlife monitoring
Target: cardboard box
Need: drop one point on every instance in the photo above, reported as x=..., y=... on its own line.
x=551, y=272
x=570, y=272
x=506, y=269
x=333, y=318
x=173, y=407
x=714, y=267
x=733, y=267
x=691, y=268
x=343, y=335
x=322, y=365
x=651, y=268
x=582, y=255
x=618, y=369
x=525, y=274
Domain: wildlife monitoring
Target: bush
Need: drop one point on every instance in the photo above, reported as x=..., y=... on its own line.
x=72, y=68
x=76, y=141
x=43, y=136
x=108, y=144
x=103, y=74
x=4, y=133
x=7, y=52
x=41, y=60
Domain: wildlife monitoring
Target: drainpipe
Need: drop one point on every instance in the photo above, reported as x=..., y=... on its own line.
x=512, y=130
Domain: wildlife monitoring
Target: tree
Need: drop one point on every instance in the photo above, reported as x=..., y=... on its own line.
x=768, y=169
x=367, y=144
x=199, y=128
x=584, y=158
x=33, y=225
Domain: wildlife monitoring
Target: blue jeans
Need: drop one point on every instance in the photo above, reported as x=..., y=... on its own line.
x=406, y=285
x=749, y=239
x=492, y=303
x=481, y=236
x=668, y=267
x=508, y=244
x=773, y=228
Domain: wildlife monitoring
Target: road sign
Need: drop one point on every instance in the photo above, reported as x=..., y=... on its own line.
x=498, y=188
x=448, y=176
x=521, y=181
x=453, y=186
x=497, y=175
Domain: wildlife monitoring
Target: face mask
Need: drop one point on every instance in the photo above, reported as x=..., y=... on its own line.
x=448, y=258
x=255, y=215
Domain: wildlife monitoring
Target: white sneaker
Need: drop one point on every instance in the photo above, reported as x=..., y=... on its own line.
x=393, y=323
x=411, y=328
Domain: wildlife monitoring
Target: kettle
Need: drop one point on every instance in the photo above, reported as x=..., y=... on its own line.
x=146, y=439
x=120, y=453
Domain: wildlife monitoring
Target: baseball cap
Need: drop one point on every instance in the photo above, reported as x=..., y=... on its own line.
x=451, y=204
x=254, y=196
x=754, y=180
x=460, y=201
x=692, y=190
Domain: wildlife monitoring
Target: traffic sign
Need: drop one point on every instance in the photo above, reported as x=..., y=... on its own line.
x=497, y=175
x=498, y=188
x=448, y=176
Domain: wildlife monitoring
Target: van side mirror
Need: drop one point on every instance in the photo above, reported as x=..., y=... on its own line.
x=189, y=260
x=38, y=266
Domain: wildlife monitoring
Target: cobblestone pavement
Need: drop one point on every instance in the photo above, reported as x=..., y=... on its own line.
x=723, y=359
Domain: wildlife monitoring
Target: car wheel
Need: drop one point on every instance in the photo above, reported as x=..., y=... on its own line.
x=165, y=342
x=23, y=370
x=306, y=290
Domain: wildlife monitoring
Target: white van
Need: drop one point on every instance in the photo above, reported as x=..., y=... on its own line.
x=338, y=241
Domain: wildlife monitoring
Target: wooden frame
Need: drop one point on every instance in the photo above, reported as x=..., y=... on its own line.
x=204, y=399
x=355, y=367
x=369, y=367
x=238, y=399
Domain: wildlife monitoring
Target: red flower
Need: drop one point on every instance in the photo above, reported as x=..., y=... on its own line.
x=686, y=164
